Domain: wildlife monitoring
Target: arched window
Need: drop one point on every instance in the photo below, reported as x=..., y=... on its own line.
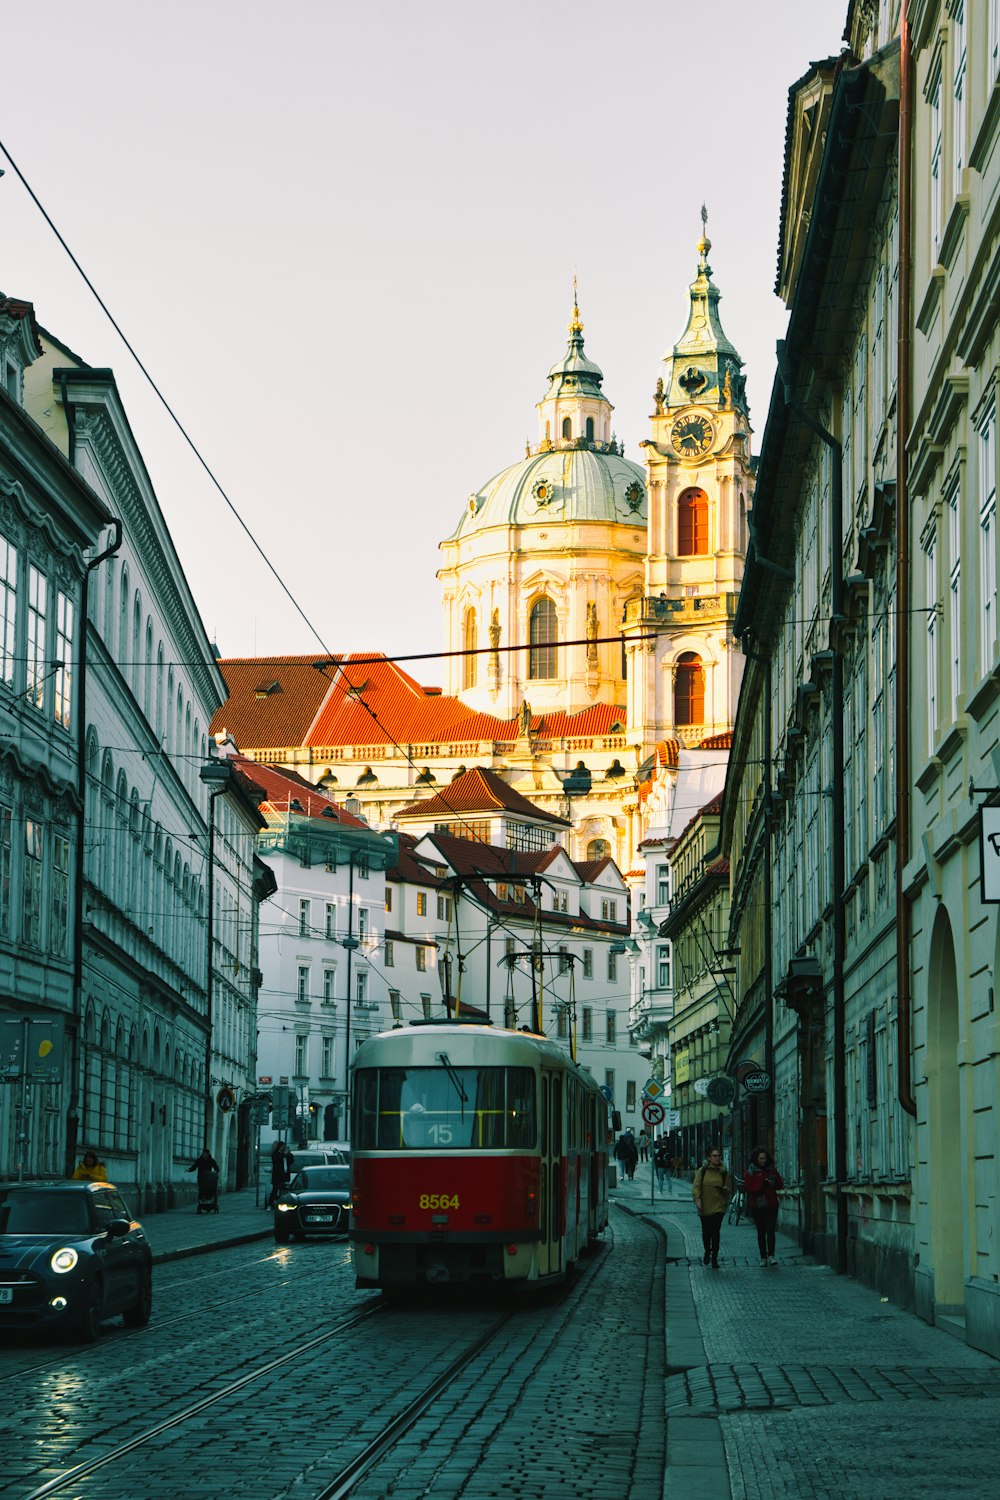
x=689, y=690
x=598, y=848
x=134, y=673
x=469, y=643
x=567, y=428
x=590, y=429
x=148, y=674
x=692, y=524
x=123, y=618
x=543, y=633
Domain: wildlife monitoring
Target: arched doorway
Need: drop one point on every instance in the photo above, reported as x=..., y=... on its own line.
x=945, y=1124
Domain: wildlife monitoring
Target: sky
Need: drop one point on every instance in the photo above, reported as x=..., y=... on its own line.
x=342, y=239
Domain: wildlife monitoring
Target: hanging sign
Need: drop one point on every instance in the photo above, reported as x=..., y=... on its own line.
x=989, y=854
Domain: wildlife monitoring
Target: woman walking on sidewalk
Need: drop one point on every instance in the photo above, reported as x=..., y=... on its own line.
x=712, y=1190
x=762, y=1183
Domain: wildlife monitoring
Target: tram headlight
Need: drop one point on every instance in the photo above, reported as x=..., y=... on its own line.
x=64, y=1260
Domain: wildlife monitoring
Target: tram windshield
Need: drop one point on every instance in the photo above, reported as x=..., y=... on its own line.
x=421, y=1109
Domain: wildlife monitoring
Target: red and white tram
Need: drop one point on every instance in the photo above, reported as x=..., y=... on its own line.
x=477, y=1153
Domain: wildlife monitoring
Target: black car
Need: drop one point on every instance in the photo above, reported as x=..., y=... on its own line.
x=71, y=1255
x=316, y=1201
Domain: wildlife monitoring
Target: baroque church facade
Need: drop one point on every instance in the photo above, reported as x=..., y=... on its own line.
x=590, y=601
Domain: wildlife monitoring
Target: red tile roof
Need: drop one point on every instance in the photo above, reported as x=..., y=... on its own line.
x=366, y=699
x=478, y=791
x=272, y=700
x=469, y=859
x=283, y=788
x=589, y=869
x=408, y=868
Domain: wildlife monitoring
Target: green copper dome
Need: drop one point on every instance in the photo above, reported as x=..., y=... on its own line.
x=566, y=485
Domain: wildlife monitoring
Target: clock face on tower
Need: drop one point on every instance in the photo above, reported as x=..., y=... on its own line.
x=691, y=436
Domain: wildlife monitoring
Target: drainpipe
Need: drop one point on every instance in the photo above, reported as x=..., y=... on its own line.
x=837, y=796
x=904, y=1038
x=768, y=900
x=77, y=1088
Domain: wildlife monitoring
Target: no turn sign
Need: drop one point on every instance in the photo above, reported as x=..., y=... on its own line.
x=653, y=1113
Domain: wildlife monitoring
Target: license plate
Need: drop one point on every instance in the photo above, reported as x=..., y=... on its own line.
x=6, y=1294
x=319, y=1218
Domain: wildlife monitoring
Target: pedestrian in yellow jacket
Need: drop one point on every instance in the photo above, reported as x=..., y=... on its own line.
x=712, y=1190
x=90, y=1169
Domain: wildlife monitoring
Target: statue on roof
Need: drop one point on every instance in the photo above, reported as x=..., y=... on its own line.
x=524, y=718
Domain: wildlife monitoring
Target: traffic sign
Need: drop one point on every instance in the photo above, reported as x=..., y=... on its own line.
x=606, y=1091
x=653, y=1113
x=653, y=1088
x=264, y=1078
x=673, y=1118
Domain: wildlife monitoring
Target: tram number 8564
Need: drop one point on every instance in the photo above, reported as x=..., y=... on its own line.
x=438, y=1200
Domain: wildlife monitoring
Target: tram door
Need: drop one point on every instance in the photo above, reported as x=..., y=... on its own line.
x=550, y=1257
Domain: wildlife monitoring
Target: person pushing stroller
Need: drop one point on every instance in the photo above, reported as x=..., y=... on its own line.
x=207, y=1169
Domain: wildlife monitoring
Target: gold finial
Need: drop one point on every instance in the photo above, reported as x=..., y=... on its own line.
x=575, y=326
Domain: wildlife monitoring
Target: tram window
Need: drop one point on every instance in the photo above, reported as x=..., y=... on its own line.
x=447, y=1108
x=557, y=1117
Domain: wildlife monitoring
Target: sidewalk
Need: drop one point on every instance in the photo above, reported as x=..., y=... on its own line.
x=183, y=1231
x=795, y=1383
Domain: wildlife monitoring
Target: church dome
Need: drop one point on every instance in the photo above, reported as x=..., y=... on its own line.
x=577, y=472
x=561, y=484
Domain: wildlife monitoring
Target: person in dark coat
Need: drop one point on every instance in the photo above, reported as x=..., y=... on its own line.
x=281, y=1171
x=627, y=1153
x=762, y=1184
x=662, y=1164
x=208, y=1179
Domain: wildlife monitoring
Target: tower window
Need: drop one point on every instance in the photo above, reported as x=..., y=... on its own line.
x=567, y=428
x=590, y=429
x=543, y=634
x=692, y=524
x=469, y=641
x=689, y=690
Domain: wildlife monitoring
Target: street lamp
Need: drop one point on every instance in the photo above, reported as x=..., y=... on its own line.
x=217, y=776
x=576, y=783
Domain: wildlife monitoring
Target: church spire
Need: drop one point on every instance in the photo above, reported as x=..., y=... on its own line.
x=575, y=412
x=703, y=365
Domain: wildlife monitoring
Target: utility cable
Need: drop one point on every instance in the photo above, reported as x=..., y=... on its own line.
x=163, y=400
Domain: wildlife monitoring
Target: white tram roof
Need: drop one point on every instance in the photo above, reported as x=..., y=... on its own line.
x=466, y=1045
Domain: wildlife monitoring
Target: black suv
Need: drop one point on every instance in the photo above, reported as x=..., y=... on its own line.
x=71, y=1255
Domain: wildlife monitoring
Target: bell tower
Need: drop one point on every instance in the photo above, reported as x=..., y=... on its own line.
x=684, y=679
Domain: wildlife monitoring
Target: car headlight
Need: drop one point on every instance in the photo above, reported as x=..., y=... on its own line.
x=64, y=1260
x=287, y=1208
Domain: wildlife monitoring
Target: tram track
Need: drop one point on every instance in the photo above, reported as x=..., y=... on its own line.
x=528, y=1355
x=584, y=1284
x=113, y=1338
x=78, y=1472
